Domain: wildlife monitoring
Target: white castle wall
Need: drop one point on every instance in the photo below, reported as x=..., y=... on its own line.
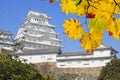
x=82, y=64
x=38, y=58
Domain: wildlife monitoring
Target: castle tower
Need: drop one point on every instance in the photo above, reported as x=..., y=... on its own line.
x=6, y=41
x=37, y=33
x=37, y=36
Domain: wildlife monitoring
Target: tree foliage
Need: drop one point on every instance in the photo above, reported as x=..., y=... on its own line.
x=14, y=69
x=99, y=17
x=111, y=71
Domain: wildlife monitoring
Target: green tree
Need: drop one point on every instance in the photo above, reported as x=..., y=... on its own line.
x=111, y=71
x=14, y=69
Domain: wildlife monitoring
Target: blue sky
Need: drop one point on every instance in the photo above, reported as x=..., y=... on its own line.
x=13, y=13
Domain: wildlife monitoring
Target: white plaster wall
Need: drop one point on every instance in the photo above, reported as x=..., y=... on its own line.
x=103, y=53
x=39, y=58
x=82, y=64
x=74, y=57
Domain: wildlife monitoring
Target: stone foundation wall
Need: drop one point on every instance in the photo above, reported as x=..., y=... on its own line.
x=82, y=73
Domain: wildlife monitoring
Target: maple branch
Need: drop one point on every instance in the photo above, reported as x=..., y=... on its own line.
x=79, y=2
x=117, y=3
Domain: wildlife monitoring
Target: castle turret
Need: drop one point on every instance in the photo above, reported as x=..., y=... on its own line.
x=6, y=41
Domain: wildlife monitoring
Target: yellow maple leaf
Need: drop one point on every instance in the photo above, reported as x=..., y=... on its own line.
x=114, y=29
x=106, y=6
x=68, y=6
x=90, y=41
x=73, y=28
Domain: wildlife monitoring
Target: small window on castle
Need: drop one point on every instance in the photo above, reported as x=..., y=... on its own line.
x=49, y=58
x=101, y=60
x=86, y=59
x=25, y=31
x=42, y=57
x=39, y=46
x=62, y=65
x=62, y=61
x=34, y=40
x=52, y=36
x=86, y=64
x=43, y=20
x=8, y=46
x=35, y=33
x=9, y=37
x=34, y=46
x=78, y=61
x=30, y=57
x=69, y=62
x=31, y=33
x=4, y=45
x=92, y=61
x=43, y=47
x=29, y=39
x=29, y=45
x=101, y=51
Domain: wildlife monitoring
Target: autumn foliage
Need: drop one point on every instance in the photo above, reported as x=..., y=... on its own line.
x=100, y=17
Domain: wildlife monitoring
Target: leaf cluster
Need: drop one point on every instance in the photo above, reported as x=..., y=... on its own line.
x=99, y=17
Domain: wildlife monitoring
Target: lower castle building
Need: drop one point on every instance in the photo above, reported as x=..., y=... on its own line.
x=100, y=57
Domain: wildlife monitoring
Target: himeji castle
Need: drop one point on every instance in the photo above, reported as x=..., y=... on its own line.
x=37, y=42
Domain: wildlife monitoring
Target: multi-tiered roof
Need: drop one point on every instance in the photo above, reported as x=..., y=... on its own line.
x=37, y=33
